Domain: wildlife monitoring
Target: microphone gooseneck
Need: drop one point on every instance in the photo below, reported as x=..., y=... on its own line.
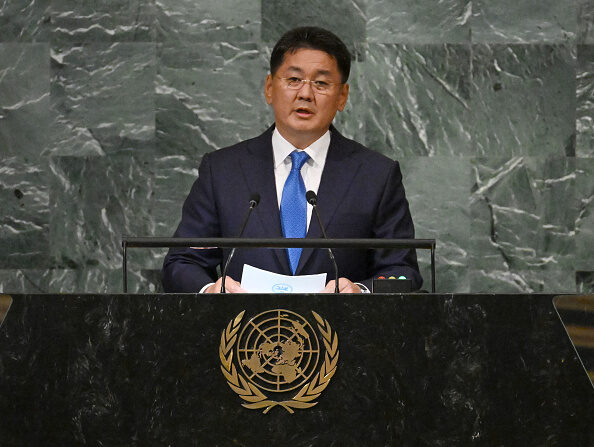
x=253, y=202
x=312, y=199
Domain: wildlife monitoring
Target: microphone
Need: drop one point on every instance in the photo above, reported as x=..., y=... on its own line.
x=312, y=199
x=254, y=200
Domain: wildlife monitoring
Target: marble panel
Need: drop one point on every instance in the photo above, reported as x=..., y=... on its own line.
x=585, y=282
x=102, y=98
x=584, y=224
x=523, y=100
x=209, y=96
x=521, y=281
x=185, y=21
x=172, y=178
x=84, y=280
x=149, y=282
x=24, y=99
x=94, y=202
x=31, y=280
x=437, y=191
x=24, y=216
x=351, y=121
x=417, y=99
x=101, y=280
x=526, y=21
x=104, y=21
x=345, y=18
x=24, y=20
x=585, y=21
x=523, y=213
x=413, y=370
x=585, y=101
x=410, y=21
x=98, y=200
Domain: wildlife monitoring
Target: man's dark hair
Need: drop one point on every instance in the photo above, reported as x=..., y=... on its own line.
x=313, y=38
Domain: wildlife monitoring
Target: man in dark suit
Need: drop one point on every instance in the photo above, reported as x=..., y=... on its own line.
x=360, y=192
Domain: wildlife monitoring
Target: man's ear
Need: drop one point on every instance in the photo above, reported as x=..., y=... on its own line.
x=343, y=96
x=268, y=89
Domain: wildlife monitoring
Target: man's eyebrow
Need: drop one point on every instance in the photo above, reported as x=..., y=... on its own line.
x=293, y=68
x=324, y=72
x=300, y=71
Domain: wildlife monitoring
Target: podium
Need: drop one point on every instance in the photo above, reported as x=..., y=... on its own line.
x=412, y=370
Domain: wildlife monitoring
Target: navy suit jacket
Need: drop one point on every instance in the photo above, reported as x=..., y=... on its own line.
x=360, y=196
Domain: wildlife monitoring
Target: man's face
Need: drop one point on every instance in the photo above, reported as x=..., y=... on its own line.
x=304, y=115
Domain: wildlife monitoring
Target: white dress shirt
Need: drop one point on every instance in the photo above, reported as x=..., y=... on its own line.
x=311, y=170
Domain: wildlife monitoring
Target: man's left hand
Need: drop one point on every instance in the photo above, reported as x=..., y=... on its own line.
x=344, y=286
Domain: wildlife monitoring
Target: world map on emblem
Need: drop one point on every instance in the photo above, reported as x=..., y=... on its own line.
x=278, y=350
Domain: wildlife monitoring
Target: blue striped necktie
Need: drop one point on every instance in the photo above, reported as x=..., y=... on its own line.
x=293, y=209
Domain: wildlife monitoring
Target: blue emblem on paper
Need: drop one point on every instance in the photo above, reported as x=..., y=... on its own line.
x=282, y=288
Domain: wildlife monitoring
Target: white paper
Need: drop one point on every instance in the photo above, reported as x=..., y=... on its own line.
x=256, y=280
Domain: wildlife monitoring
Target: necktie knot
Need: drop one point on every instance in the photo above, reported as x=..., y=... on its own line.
x=298, y=158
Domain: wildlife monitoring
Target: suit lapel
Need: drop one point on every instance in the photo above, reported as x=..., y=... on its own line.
x=339, y=172
x=258, y=169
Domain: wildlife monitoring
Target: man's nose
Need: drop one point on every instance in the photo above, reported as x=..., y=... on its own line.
x=306, y=91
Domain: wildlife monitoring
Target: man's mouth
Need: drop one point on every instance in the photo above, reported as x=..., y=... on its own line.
x=303, y=112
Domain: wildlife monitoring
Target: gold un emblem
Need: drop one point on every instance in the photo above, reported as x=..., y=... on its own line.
x=278, y=353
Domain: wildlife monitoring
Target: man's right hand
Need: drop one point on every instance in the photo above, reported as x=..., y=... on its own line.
x=231, y=286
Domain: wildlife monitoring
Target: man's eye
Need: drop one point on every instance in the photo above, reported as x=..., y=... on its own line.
x=321, y=84
x=294, y=79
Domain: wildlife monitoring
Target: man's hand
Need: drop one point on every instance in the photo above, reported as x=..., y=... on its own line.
x=344, y=286
x=231, y=286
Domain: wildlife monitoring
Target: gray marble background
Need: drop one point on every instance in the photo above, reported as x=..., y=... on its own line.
x=107, y=107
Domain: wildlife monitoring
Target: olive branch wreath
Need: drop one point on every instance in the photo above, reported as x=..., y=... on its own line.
x=250, y=393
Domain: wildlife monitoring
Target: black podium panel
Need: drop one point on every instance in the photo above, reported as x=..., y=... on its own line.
x=412, y=370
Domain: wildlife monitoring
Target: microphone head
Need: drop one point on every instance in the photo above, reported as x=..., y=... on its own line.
x=254, y=199
x=311, y=197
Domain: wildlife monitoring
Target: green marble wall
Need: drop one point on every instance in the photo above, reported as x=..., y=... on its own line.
x=107, y=107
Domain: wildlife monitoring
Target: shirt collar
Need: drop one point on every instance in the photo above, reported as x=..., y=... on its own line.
x=317, y=151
